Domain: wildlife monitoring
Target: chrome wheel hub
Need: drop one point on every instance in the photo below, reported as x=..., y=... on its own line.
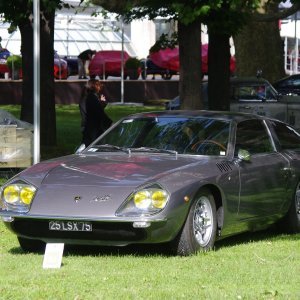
x=203, y=221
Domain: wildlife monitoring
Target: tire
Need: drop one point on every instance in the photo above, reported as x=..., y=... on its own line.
x=292, y=219
x=144, y=74
x=69, y=72
x=29, y=245
x=166, y=76
x=199, y=230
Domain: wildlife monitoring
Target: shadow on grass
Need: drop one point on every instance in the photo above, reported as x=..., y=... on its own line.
x=271, y=234
x=164, y=250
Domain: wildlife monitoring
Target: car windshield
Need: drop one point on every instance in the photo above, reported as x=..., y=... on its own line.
x=253, y=92
x=199, y=136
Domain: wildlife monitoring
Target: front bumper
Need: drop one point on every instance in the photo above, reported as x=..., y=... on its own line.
x=109, y=232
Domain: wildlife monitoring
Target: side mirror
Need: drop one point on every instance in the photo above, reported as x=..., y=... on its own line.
x=244, y=155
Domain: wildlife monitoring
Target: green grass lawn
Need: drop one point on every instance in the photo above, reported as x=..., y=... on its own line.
x=261, y=265
x=252, y=266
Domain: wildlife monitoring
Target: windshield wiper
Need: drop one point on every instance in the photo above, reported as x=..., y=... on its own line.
x=112, y=147
x=155, y=150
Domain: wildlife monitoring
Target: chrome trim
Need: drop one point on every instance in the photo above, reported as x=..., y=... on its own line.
x=78, y=218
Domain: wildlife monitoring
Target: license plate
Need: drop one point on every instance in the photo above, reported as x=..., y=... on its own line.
x=70, y=226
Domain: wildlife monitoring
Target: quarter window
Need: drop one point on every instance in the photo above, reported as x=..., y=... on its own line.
x=287, y=136
x=252, y=136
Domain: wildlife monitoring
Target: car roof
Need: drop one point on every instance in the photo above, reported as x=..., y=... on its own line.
x=252, y=80
x=244, y=80
x=220, y=115
x=287, y=77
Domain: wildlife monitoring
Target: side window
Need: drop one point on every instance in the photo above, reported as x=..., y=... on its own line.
x=296, y=82
x=251, y=135
x=287, y=136
x=285, y=83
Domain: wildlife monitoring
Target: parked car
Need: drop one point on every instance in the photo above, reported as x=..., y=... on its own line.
x=165, y=62
x=60, y=68
x=4, y=53
x=148, y=67
x=289, y=85
x=256, y=96
x=72, y=62
x=107, y=63
x=3, y=67
x=182, y=179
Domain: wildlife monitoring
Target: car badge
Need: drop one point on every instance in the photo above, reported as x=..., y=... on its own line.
x=101, y=198
x=77, y=199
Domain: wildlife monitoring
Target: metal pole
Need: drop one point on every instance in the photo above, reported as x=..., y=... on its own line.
x=122, y=62
x=296, y=47
x=285, y=54
x=36, y=80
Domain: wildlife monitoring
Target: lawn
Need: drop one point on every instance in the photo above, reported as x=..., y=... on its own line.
x=261, y=265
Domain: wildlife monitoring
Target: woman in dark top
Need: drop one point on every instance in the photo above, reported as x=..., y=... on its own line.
x=94, y=119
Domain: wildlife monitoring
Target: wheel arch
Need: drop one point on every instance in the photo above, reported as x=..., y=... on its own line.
x=217, y=194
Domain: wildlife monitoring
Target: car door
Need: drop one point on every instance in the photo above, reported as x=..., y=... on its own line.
x=262, y=179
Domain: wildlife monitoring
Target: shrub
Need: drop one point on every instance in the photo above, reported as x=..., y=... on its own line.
x=14, y=61
x=132, y=63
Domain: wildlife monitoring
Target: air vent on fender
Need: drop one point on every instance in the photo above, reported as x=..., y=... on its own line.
x=224, y=166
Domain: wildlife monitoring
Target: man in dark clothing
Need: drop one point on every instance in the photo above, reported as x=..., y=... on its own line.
x=94, y=119
x=83, y=57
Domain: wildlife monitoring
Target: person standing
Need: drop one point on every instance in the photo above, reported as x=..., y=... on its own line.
x=83, y=58
x=94, y=119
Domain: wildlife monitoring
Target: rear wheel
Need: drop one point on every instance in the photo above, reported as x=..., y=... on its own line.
x=29, y=245
x=292, y=219
x=166, y=76
x=199, y=230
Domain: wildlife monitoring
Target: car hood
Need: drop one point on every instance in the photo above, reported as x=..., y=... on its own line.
x=96, y=185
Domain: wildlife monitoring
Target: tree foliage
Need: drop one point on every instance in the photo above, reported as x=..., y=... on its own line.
x=223, y=17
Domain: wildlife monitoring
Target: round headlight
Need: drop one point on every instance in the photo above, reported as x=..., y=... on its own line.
x=159, y=199
x=26, y=194
x=11, y=193
x=142, y=199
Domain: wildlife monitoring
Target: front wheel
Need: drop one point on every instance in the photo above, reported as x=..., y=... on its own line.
x=199, y=230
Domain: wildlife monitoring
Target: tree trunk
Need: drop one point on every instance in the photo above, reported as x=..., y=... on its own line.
x=47, y=96
x=47, y=101
x=189, y=40
x=27, y=67
x=218, y=72
x=259, y=47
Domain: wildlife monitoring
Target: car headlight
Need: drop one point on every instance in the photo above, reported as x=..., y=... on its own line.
x=17, y=196
x=146, y=201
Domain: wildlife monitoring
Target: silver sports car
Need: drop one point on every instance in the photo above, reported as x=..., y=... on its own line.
x=179, y=178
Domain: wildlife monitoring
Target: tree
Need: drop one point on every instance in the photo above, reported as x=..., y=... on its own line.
x=19, y=13
x=259, y=45
x=229, y=18
x=218, y=14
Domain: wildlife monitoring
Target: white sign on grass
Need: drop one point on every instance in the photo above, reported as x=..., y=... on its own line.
x=53, y=255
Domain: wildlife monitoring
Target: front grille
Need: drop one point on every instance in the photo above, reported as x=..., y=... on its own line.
x=102, y=231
